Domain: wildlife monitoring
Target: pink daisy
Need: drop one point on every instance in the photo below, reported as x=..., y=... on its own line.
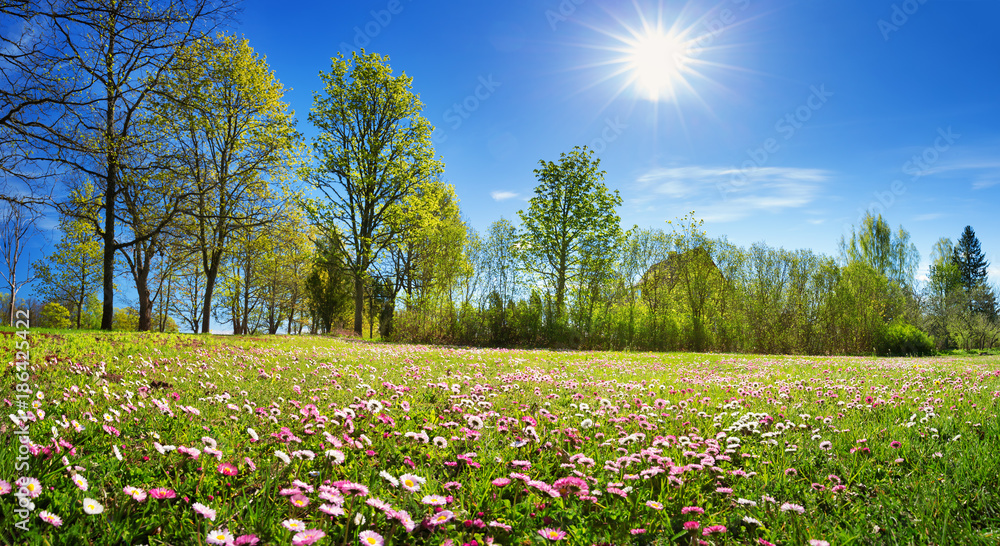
x=309, y=536
x=552, y=534
x=370, y=538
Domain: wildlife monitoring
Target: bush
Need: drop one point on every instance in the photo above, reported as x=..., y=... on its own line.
x=903, y=339
x=54, y=315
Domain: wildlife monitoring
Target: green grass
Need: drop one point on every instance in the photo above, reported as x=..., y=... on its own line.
x=639, y=416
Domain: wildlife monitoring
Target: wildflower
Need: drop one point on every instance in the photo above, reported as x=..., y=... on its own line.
x=332, y=510
x=692, y=510
x=443, y=516
x=283, y=456
x=791, y=472
x=500, y=482
x=435, y=500
x=815, y=542
x=294, y=525
x=654, y=505
x=250, y=464
x=713, y=529
x=203, y=510
x=309, y=536
x=162, y=493
x=246, y=540
x=300, y=501
x=818, y=486
x=440, y=442
x=370, y=538
x=724, y=490
x=50, y=518
x=552, y=534
x=789, y=507
x=411, y=482
x=92, y=507
x=227, y=469
x=219, y=536
x=691, y=525
x=826, y=445
x=895, y=445
x=29, y=486
x=336, y=455
x=4, y=487
x=80, y=482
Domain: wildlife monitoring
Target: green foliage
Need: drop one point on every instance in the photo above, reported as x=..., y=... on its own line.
x=126, y=320
x=54, y=315
x=903, y=339
x=72, y=274
x=571, y=224
x=874, y=244
x=374, y=154
x=327, y=287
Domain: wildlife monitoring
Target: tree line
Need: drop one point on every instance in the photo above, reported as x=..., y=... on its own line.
x=164, y=144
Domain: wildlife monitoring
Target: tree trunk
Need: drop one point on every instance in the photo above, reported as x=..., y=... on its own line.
x=359, y=303
x=210, y=276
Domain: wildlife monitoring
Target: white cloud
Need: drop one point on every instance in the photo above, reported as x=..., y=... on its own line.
x=502, y=195
x=725, y=194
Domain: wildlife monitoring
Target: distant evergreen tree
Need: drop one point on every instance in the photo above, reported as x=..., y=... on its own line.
x=968, y=255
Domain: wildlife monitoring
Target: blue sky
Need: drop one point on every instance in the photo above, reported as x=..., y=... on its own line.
x=789, y=120
x=796, y=116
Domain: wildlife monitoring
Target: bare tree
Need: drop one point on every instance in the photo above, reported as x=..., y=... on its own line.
x=113, y=54
x=18, y=224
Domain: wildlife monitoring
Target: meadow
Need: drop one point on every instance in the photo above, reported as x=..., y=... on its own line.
x=176, y=439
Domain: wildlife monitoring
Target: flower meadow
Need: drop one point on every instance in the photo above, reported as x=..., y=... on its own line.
x=167, y=439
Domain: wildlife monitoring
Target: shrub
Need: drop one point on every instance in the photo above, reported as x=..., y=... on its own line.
x=903, y=339
x=54, y=315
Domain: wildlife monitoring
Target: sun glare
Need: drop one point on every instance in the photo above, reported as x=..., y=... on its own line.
x=656, y=63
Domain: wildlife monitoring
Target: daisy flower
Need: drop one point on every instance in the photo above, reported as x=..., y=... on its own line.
x=50, y=518
x=300, y=501
x=434, y=500
x=162, y=493
x=29, y=486
x=203, y=510
x=309, y=536
x=410, y=482
x=227, y=469
x=294, y=525
x=92, y=507
x=654, y=505
x=4, y=487
x=552, y=534
x=443, y=516
x=789, y=507
x=219, y=536
x=283, y=456
x=370, y=538
x=80, y=482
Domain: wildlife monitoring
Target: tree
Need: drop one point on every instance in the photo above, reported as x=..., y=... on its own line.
x=572, y=210
x=374, y=151
x=72, y=273
x=113, y=53
x=873, y=243
x=54, y=315
x=327, y=288
x=234, y=135
x=968, y=256
x=18, y=222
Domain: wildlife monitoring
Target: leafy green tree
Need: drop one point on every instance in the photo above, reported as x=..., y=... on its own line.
x=572, y=211
x=72, y=273
x=890, y=254
x=374, y=151
x=327, y=287
x=234, y=138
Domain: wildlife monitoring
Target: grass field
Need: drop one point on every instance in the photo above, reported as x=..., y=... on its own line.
x=174, y=439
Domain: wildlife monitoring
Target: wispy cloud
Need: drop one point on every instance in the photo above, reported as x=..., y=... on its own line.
x=502, y=195
x=725, y=194
x=928, y=217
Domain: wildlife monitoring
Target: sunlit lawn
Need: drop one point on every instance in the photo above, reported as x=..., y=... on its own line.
x=167, y=439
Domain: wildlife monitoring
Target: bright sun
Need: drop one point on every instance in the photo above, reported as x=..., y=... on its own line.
x=657, y=63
